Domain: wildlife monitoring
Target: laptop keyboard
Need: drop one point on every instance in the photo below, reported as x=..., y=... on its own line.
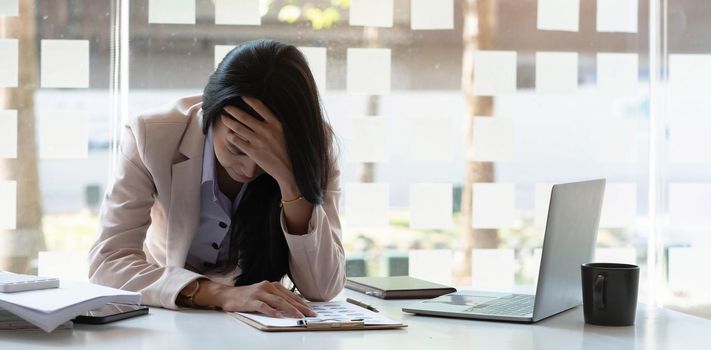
x=513, y=305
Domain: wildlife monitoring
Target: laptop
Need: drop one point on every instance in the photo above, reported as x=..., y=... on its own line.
x=571, y=231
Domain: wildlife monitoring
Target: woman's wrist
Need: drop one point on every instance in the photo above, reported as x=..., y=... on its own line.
x=210, y=294
x=289, y=189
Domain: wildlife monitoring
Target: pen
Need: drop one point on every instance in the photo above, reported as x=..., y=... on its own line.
x=361, y=304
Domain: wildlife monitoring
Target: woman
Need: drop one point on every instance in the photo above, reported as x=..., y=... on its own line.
x=221, y=196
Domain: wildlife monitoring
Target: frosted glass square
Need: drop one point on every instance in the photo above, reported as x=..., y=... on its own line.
x=556, y=72
x=9, y=8
x=368, y=71
x=432, y=14
x=434, y=265
x=619, y=206
x=65, y=64
x=493, y=140
x=493, y=269
x=618, y=73
x=171, y=11
x=241, y=12
x=371, y=13
x=431, y=206
x=367, y=140
x=9, y=67
x=690, y=205
x=316, y=57
x=431, y=139
x=8, y=134
x=615, y=140
x=494, y=73
x=64, y=265
x=221, y=51
x=687, y=136
x=63, y=134
x=8, y=205
x=367, y=205
x=493, y=205
x=616, y=255
x=689, y=74
x=617, y=16
x=563, y=15
x=542, y=200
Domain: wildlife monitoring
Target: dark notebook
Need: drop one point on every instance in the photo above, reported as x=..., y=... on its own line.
x=400, y=287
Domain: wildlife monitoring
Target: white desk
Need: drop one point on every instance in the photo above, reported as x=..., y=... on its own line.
x=207, y=330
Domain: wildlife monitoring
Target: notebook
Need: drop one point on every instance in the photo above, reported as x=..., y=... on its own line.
x=332, y=316
x=398, y=287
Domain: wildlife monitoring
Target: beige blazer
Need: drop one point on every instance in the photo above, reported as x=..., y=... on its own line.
x=151, y=213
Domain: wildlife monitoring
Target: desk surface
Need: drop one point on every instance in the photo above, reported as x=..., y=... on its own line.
x=197, y=329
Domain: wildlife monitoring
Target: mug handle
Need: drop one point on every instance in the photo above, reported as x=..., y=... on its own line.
x=599, y=292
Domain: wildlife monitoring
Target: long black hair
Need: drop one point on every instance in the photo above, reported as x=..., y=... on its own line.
x=278, y=75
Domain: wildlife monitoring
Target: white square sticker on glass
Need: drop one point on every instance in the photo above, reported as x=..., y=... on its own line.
x=618, y=73
x=563, y=15
x=431, y=139
x=367, y=205
x=316, y=57
x=542, y=200
x=493, y=140
x=619, y=205
x=63, y=134
x=690, y=205
x=8, y=134
x=615, y=140
x=431, y=206
x=432, y=14
x=8, y=205
x=493, y=205
x=368, y=71
x=9, y=67
x=688, y=135
x=171, y=11
x=238, y=12
x=434, y=265
x=616, y=255
x=617, y=16
x=371, y=13
x=493, y=269
x=221, y=51
x=367, y=140
x=556, y=72
x=689, y=75
x=9, y=8
x=65, y=64
x=494, y=73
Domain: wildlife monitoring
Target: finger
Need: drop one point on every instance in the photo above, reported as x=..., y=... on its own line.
x=244, y=118
x=281, y=304
x=240, y=143
x=264, y=308
x=295, y=300
x=237, y=127
x=259, y=107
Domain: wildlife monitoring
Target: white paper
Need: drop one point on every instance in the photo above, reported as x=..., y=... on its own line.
x=221, y=51
x=542, y=200
x=367, y=205
x=618, y=73
x=8, y=134
x=431, y=206
x=556, y=72
x=616, y=255
x=493, y=205
x=63, y=134
x=65, y=64
x=241, y=12
x=561, y=15
x=689, y=74
x=9, y=8
x=687, y=137
x=171, y=11
x=9, y=66
x=368, y=71
x=334, y=310
x=493, y=269
x=493, y=140
x=432, y=14
x=615, y=140
x=367, y=140
x=8, y=205
x=371, y=13
x=619, y=206
x=431, y=139
x=63, y=265
x=494, y=73
x=434, y=265
x=690, y=205
x=316, y=57
x=617, y=16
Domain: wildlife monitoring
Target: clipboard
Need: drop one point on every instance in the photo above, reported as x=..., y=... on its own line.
x=333, y=316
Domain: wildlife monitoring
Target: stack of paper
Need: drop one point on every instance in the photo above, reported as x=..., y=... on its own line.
x=50, y=308
x=11, y=322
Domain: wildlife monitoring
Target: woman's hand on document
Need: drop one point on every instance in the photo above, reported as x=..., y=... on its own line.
x=269, y=298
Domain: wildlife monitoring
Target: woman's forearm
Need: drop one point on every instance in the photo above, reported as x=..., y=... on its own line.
x=297, y=213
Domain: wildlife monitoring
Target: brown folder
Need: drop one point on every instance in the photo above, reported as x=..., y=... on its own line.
x=397, y=287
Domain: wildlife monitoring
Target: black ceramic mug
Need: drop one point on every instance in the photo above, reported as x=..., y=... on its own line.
x=610, y=293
